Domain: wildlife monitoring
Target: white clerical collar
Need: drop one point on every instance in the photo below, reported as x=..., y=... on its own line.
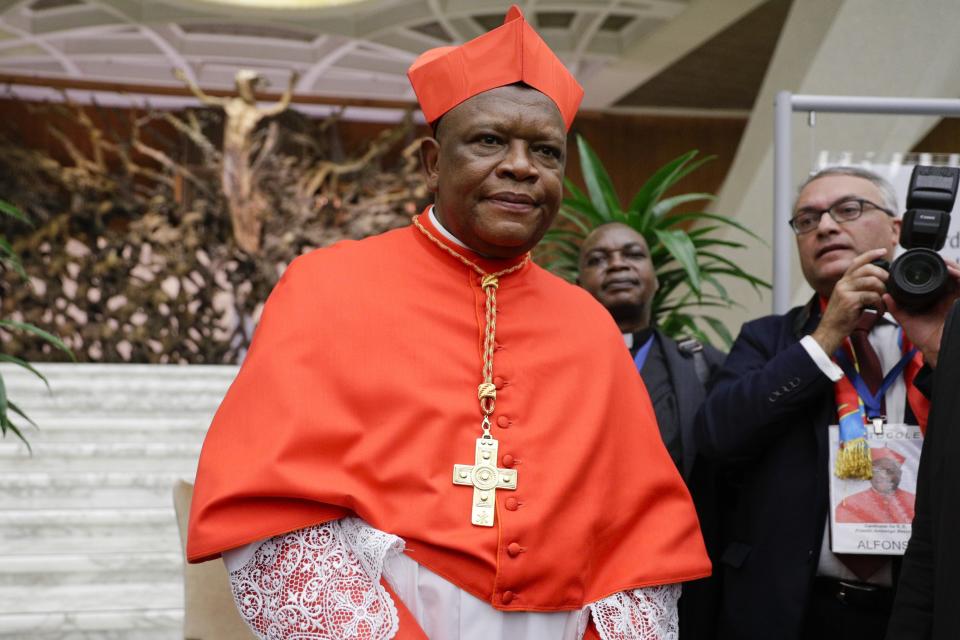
x=443, y=231
x=628, y=339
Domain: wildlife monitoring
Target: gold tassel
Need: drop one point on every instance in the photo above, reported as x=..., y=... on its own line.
x=853, y=460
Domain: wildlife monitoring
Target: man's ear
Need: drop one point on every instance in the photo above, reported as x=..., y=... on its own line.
x=430, y=161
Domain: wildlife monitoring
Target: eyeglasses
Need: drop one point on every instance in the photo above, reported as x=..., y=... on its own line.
x=844, y=211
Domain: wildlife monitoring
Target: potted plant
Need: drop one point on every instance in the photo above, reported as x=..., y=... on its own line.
x=683, y=246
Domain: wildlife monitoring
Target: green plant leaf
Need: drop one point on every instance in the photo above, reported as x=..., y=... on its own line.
x=575, y=191
x=3, y=400
x=599, y=185
x=576, y=219
x=586, y=210
x=702, y=215
x=721, y=290
x=700, y=243
x=559, y=232
x=669, y=204
x=26, y=365
x=681, y=248
x=737, y=271
x=756, y=283
x=720, y=329
x=37, y=331
x=687, y=322
x=8, y=425
x=8, y=255
x=648, y=193
x=14, y=212
x=23, y=415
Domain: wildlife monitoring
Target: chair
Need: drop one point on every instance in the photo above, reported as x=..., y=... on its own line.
x=209, y=610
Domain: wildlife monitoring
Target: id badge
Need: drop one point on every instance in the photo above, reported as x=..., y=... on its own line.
x=874, y=516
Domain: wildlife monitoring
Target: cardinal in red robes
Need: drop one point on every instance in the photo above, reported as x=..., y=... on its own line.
x=884, y=501
x=433, y=437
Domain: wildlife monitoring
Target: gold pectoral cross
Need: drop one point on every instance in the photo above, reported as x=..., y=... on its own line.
x=485, y=478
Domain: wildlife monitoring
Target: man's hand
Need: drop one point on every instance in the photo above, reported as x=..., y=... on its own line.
x=925, y=328
x=862, y=285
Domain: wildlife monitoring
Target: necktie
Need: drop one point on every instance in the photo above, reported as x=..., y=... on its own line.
x=864, y=566
x=867, y=359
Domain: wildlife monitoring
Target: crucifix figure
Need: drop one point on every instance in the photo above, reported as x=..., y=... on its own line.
x=247, y=204
x=485, y=478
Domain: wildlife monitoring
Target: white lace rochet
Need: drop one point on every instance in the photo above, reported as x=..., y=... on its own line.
x=323, y=583
x=319, y=582
x=640, y=614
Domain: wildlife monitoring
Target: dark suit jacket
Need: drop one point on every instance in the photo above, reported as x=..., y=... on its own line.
x=765, y=421
x=699, y=602
x=927, y=604
x=688, y=391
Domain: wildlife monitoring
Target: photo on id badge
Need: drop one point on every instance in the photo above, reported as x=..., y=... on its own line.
x=871, y=507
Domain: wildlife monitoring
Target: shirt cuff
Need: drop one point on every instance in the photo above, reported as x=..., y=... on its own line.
x=821, y=359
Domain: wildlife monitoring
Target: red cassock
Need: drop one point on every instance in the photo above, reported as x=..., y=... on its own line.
x=359, y=394
x=871, y=506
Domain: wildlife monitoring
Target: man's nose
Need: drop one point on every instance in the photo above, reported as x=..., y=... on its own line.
x=827, y=224
x=518, y=163
x=617, y=260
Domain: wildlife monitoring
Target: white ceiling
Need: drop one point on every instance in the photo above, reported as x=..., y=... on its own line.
x=360, y=50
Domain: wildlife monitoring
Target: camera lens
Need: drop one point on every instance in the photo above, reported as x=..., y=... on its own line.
x=917, y=274
x=918, y=278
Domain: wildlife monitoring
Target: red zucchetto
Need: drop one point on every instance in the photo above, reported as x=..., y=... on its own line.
x=513, y=52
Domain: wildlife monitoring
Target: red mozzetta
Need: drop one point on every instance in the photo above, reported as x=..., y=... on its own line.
x=358, y=396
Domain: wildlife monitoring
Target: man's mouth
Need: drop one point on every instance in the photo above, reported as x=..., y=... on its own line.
x=831, y=248
x=512, y=201
x=620, y=284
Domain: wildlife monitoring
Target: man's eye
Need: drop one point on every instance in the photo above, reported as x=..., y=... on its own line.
x=553, y=152
x=636, y=255
x=489, y=139
x=848, y=208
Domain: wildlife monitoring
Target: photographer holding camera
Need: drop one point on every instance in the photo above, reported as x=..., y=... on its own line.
x=767, y=416
x=927, y=592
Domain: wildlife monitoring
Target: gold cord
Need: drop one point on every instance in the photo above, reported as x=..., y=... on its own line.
x=486, y=391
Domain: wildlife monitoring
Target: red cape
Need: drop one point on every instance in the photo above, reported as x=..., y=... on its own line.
x=358, y=396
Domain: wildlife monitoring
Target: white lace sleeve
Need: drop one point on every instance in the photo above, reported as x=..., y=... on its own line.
x=319, y=582
x=641, y=614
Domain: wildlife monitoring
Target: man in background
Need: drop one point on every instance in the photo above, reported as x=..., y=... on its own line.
x=615, y=267
x=927, y=594
x=767, y=416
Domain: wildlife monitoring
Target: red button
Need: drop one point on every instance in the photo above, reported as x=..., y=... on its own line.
x=507, y=597
x=514, y=549
x=498, y=382
x=511, y=504
x=508, y=460
x=503, y=422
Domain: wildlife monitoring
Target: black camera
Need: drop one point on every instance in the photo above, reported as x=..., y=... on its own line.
x=918, y=278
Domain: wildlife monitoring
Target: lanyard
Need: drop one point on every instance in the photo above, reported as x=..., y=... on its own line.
x=642, y=354
x=872, y=402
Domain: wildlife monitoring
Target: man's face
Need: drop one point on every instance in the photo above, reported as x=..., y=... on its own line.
x=615, y=267
x=496, y=167
x=886, y=476
x=826, y=252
